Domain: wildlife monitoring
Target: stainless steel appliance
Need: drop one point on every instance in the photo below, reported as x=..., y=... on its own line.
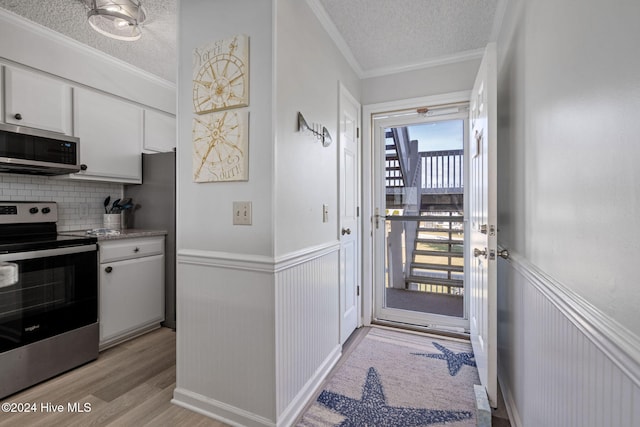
x=155, y=208
x=49, y=311
x=34, y=151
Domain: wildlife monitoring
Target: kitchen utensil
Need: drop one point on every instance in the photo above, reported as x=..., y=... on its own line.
x=115, y=206
x=106, y=203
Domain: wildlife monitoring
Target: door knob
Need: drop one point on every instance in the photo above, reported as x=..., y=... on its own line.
x=504, y=253
x=346, y=231
x=477, y=252
x=108, y=269
x=18, y=116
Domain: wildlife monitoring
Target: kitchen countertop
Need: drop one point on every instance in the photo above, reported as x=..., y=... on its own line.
x=129, y=233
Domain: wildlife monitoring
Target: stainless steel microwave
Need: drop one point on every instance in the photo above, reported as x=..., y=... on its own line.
x=33, y=151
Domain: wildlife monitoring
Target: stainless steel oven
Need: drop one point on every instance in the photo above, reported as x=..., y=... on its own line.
x=48, y=297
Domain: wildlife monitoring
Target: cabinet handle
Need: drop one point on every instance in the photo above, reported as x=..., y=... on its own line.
x=136, y=250
x=108, y=269
x=18, y=116
x=83, y=167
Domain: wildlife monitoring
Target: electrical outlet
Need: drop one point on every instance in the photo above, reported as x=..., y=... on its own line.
x=241, y=213
x=325, y=213
x=84, y=210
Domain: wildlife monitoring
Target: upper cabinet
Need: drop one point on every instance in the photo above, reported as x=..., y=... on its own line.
x=37, y=101
x=110, y=132
x=159, y=131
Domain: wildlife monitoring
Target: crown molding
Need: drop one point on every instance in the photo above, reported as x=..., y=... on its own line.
x=467, y=55
x=342, y=46
x=335, y=35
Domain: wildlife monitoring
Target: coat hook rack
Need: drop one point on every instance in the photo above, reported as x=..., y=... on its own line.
x=322, y=135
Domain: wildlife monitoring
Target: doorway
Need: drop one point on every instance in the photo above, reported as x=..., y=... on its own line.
x=419, y=232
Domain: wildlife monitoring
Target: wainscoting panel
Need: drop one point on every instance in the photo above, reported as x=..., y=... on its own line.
x=307, y=331
x=562, y=363
x=225, y=339
x=256, y=336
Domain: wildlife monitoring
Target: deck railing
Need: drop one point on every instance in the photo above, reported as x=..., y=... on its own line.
x=442, y=171
x=437, y=172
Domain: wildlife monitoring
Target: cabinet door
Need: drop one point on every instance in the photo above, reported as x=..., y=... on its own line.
x=110, y=132
x=131, y=295
x=159, y=131
x=37, y=101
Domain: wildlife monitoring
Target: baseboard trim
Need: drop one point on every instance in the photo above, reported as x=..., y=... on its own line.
x=619, y=344
x=218, y=410
x=299, y=403
x=509, y=403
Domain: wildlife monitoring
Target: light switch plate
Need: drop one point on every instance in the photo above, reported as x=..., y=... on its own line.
x=241, y=213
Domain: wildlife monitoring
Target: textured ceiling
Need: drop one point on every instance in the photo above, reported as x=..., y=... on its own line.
x=155, y=52
x=378, y=35
x=385, y=35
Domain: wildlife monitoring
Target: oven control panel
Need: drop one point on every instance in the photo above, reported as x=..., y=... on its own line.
x=28, y=212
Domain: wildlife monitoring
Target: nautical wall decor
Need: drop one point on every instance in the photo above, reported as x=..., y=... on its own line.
x=221, y=127
x=221, y=75
x=220, y=146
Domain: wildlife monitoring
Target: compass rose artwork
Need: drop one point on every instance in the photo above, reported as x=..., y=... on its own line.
x=221, y=75
x=220, y=146
x=220, y=126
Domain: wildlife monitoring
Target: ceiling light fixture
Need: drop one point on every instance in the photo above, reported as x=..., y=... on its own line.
x=118, y=19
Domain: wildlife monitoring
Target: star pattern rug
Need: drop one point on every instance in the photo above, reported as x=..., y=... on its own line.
x=381, y=382
x=454, y=360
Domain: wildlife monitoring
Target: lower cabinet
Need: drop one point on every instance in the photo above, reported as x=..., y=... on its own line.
x=131, y=288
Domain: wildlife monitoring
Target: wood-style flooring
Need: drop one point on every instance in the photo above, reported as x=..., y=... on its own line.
x=128, y=385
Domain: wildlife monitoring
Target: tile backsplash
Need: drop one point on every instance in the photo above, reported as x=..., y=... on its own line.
x=80, y=203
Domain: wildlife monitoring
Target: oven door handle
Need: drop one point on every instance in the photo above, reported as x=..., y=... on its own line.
x=18, y=256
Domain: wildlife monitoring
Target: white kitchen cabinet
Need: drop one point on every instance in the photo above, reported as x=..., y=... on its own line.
x=131, y=288
x=37, y=101
x=110, y=132
x=159, y=131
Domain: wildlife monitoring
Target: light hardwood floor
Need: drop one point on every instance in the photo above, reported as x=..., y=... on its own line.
x=128, y=385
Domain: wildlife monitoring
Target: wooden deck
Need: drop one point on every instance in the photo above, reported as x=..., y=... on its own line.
x=425, y=302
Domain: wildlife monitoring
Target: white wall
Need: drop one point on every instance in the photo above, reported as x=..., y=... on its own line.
x=441, y=79
x=309, y=68
x=569, y=101
x=225, y=282
x=568, y=195
x=258, y=323
x=205, y=209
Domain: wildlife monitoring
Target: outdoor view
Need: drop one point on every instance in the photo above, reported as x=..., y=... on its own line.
x=424, y=210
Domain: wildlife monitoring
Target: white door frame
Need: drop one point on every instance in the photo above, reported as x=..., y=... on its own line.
x=368, y=199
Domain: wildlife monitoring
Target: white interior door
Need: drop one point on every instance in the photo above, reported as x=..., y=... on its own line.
x=483, y=227
x=349, y=212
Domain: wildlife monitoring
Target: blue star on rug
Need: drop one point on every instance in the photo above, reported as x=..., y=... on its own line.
x=454, y=360
x=372, y=409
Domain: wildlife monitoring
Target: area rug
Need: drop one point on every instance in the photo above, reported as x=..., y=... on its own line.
x=394, y=378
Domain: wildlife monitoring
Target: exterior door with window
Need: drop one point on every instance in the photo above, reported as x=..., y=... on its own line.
x=419, y=223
